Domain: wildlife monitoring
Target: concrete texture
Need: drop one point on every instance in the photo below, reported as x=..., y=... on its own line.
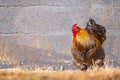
x=37, y=32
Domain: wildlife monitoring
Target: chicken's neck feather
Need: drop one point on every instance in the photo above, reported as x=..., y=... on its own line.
x=85, y=39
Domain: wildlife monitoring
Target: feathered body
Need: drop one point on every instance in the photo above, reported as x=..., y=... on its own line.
x=83, y=40
x=86, y=48
x=97, y=30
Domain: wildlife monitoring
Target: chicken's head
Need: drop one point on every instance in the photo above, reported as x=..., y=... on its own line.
x=75, y=30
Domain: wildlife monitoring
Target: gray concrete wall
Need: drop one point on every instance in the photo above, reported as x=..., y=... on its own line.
x=37, y=32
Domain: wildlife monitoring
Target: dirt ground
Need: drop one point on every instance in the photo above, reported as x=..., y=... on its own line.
x=96, y=74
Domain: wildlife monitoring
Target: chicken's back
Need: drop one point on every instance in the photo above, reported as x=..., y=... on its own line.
x=97, y=30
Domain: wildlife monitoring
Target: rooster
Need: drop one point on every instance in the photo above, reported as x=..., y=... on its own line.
x=86, y=48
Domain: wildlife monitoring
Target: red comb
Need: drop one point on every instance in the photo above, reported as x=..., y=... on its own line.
x=74, y=25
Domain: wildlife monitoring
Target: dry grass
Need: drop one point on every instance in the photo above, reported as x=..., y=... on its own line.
x=104, y=74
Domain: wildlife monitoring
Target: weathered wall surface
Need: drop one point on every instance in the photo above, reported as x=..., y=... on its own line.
x=37, y=32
